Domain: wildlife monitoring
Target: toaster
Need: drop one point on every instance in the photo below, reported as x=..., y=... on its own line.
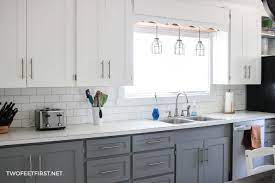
x=49, y=119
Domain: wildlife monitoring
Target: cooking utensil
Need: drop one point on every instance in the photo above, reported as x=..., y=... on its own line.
x=90, y=97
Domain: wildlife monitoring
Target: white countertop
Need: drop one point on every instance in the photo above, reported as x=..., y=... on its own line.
x=18, y=136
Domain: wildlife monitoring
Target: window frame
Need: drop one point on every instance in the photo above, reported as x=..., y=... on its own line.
x=122, y=90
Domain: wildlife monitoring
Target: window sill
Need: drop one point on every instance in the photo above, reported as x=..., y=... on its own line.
x=165, y=99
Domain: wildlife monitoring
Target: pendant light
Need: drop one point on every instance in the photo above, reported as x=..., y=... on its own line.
x=200, y=48
x=179, y=46
x=156, y=46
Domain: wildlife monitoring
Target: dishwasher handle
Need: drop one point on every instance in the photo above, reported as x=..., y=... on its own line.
x=245, y=127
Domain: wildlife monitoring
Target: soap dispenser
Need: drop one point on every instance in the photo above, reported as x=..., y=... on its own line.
x=155, y=113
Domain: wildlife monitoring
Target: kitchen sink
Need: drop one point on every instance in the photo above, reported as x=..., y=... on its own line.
x=176, y=120
x=200, y=118
x=182, y=120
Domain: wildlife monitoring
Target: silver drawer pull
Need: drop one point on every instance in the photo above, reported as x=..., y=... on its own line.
x=109, y=171
x=156, y=164
x=153, y=142
x=271, y=126
x=109, y=147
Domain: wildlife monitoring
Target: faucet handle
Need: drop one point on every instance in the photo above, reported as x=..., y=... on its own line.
x=182, y=113
x=169, y=114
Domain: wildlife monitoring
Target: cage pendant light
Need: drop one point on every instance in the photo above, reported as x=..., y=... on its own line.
x=156, y=47
x=179, y=46
x=200, y=48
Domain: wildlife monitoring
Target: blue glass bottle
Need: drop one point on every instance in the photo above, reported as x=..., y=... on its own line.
x=155, y=113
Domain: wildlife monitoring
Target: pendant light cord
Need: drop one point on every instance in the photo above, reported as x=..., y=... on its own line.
x=199, y=34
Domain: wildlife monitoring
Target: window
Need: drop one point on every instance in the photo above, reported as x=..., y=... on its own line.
x=168, y=73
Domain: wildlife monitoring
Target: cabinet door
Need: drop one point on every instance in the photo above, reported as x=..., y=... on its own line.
x=237, y=59
x=13, y=43
x=189, y=163
x=117, y=32
x=15, y=159
x=216, y=160
x=65, y=157
x=90, y=61
x=50, y=43
x=252, y=46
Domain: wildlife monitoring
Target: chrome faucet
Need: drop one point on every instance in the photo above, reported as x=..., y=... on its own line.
x=188, y=106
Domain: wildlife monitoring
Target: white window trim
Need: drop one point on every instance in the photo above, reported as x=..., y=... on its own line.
x=170, y=98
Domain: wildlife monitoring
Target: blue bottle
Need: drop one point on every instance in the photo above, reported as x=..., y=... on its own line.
x=155, y=113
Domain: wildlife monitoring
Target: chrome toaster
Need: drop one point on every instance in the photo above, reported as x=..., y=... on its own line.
x=49, y=119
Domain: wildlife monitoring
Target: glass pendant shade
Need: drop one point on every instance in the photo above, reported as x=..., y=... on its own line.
x=179, y=46
x=200, y=48
x=156, y=47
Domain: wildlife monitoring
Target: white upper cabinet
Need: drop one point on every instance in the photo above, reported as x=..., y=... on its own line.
x=37, y=43
x=50, y=43
x=237, y=53
x=12, y=43
x=104, y=42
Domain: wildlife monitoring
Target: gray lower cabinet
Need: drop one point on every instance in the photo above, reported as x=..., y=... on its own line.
x=65, y=157
x=153, y=163
x=203, y=161
x=161, y=179
x=216, y=160
x=14, y=159
x=189, y=165
x=108, y=170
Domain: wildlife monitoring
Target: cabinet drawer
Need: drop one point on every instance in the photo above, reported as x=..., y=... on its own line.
x=153, y=141
x=162, y=179
x=107, y=147
x=109, y=170
x=270, y=125
x=153, y=163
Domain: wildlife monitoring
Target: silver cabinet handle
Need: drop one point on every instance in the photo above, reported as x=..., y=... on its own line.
x=40, y=162
x=245, y=72
x=109, y=64
x=102, y=69
x=271, y=126
x=201, y=156
x=22, y=67
x=156, y=164
x=206, y=155
x=153, y=142
x=109, y=171
x=249, y=71
x=31, y=75
x=109, y=147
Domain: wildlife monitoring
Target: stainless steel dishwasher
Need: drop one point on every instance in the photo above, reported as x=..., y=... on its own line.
x=239, y=164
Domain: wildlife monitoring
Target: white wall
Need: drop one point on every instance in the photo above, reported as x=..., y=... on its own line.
x=73, y=101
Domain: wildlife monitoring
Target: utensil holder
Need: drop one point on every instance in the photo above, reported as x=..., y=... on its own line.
x=94, y=112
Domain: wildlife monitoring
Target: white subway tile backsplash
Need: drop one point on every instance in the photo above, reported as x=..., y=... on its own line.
x=4, y=99
x=28, y=107
x=2, y=91
x=37, y=99
x=28, y=91
x=22, y=115
x=75, y=104
x=12, y=91
x=27, y=123
x=52, y=99
x=21, y=99
x=16, y=123
x=67, y=98
x=44, y=91
x=59, y=91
